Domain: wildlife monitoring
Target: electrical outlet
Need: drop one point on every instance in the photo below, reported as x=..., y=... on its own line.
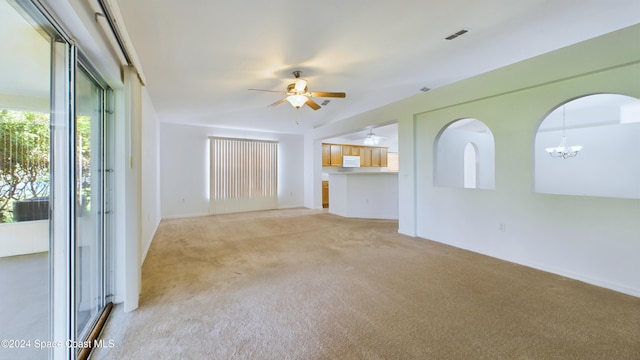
x=503, y=227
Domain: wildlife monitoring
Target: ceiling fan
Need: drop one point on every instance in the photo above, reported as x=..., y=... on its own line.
x=372, y=139
x=298, y=95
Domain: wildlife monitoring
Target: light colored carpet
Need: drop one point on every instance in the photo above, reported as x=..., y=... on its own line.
x=304, y=284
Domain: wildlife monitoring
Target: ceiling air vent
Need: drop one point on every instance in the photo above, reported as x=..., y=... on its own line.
x=456, y=34
x=325, y=102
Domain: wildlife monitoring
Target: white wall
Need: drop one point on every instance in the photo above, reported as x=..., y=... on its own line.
x=184, y=164
x=150, y=173
x=26, y=237
x=592, y=239
x=128, y=194
x=290, y=171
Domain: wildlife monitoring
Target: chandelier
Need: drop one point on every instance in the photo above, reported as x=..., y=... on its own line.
x=563, y=150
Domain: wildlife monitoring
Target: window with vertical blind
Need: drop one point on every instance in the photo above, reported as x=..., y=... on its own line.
x=244, y=175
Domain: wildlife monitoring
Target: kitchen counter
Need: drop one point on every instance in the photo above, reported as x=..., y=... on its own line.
x=371, y=195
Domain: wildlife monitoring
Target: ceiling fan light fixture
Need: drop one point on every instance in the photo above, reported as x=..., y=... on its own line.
x=371, y=139
x=297, y=100
x=301, y=85
x=298, y=95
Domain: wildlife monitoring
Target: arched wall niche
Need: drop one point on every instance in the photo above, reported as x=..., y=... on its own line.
x=470, y=172
x=449, y=155
x=607, y=126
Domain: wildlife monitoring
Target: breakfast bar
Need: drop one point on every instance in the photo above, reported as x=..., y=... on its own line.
x=371, y=195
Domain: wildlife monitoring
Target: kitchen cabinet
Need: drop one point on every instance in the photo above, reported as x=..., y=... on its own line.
x=365, y=157
x=370, y=156
x=326, y=155
x=351, y=150
x=375, y=157
x=336, y=155
x=325, y=194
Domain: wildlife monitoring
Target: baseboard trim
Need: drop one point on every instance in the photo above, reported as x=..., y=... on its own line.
x=550, y=269
x=184, y=216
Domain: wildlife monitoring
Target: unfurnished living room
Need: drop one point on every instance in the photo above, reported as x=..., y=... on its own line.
x=333, y=180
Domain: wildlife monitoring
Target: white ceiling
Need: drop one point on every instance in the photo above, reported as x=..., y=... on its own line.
x=200, y=59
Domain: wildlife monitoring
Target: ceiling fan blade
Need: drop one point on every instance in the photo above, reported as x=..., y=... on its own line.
x=279, y=102
x=312, y=104
x=273, y=91
x=328, y=94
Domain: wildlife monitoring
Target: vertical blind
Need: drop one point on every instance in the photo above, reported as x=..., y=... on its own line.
x=244, y=175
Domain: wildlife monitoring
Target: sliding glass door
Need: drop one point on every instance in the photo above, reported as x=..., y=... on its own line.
x=26, y=104
x=89, y=209
x=53, y=246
